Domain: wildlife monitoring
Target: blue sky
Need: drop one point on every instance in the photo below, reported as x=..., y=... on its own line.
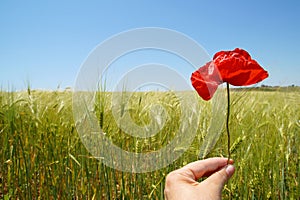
x=45, y=42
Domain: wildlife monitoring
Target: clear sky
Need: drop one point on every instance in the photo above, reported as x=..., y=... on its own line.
x=45, y=42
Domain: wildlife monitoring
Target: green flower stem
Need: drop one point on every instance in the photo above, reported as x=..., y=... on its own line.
x=227, y=122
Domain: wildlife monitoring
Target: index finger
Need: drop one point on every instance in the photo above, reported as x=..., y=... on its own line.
x=202, y=168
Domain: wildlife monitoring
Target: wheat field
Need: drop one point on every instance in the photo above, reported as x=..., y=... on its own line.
x=42, y=156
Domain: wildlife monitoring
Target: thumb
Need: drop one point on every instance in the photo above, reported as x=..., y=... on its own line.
x=218, y=179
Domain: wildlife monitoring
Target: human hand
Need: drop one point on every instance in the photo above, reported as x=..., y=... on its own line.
x=182, y=183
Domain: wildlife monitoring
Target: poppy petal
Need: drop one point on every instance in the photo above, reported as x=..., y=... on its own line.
x=237, y=68
x=206, y=80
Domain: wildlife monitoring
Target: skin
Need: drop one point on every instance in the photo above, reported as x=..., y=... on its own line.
x=182, y=183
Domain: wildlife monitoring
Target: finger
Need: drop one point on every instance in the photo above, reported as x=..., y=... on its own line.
x=209, y=173
x=205, y=167
x=219, y=178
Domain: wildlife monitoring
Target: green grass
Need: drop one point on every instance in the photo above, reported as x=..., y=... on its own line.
x=42, y=157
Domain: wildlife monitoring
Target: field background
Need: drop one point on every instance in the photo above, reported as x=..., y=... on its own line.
x=42, y=157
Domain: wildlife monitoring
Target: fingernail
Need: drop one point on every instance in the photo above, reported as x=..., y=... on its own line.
x=230, y=170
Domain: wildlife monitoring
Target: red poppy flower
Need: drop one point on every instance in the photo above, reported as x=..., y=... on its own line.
x=234, y=67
